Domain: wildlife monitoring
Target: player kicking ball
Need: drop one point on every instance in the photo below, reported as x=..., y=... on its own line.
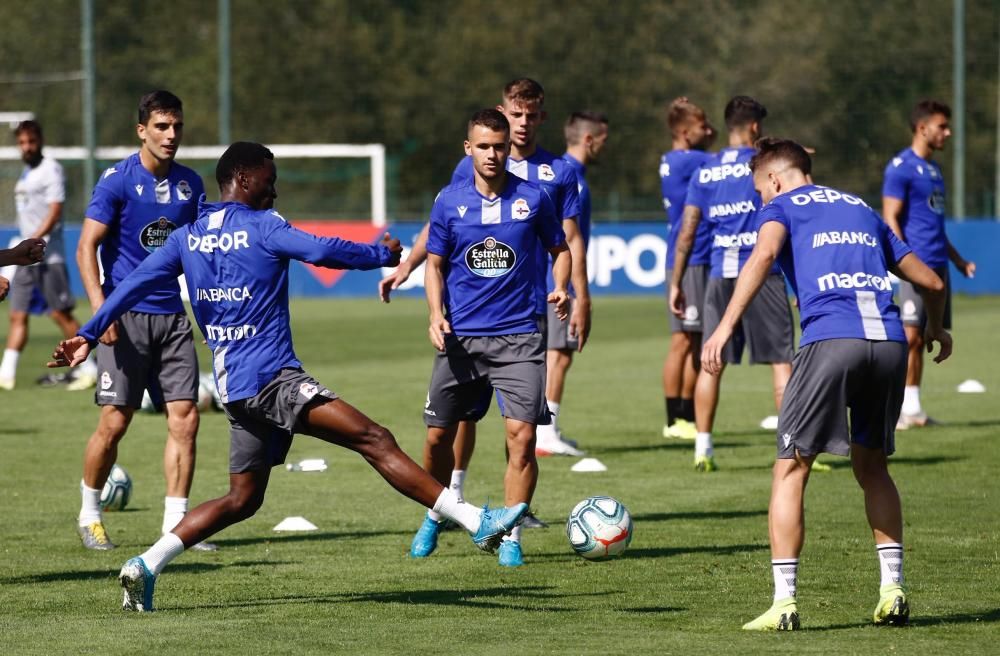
x=235, y=258
x=836, y=253
x=481, y=284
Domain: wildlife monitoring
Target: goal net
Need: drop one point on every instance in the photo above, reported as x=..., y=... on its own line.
x=341, y=182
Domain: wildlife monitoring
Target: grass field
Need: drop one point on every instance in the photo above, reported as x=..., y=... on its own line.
x=697, y=568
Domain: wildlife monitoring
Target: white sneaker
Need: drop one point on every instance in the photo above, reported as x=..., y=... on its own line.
x=553, y=446
x=6, y=384
x=81, y=381
x=917, y=420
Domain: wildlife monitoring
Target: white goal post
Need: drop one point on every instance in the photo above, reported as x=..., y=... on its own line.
x=375, y=153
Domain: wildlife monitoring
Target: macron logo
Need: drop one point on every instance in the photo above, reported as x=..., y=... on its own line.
x=462, y=209
x=859, y=280
x=138, y=189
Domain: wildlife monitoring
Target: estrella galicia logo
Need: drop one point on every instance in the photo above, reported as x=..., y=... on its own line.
x=936, y=201
x=490, y=258
x=155, y=234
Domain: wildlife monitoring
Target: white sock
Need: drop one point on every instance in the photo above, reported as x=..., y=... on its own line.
x=8, y=366
x=703, y=445
x=911, y=400
x=890, y=558
x=174, y=509
x=89, y=366
x=554, y=409
x=515, y=535
x=458, y=483
x=464, y=514
x=90, y=506
x=786, y=571
x=166, y=549
x=546, y=432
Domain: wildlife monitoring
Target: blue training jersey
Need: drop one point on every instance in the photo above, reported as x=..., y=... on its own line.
x=836, y=258
x=488, y=246
x=558, y=180
x=141, y=212
x=920, y=185
x=676, y=169
x=235, y=260
x=723, y=191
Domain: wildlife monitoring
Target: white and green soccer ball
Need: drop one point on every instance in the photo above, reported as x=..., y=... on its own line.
x=599, y=528
x=117, y=490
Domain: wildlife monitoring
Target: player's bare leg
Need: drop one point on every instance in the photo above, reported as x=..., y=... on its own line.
x=17, y=336
x=180, y=451
x=706, y=402
x=912, y=414
x=549, y=439
x=99, y=455
x=66, y=321
x=464, y=446
x=519, y=482
x=680, y=376
x=781, y=372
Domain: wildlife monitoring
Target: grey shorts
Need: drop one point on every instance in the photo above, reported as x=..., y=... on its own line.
x=835, y=377
x=766, y=325
x=557, y=331
x=911, y=304
x=153, y=350
x=261, y=427
x=513, y=365
x=693, y=285
x=52, y=280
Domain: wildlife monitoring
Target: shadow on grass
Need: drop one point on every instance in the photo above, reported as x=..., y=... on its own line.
x=985, y=617
x=103, y=574
x=671, y=445
x=698, y=514
x=660, y=552
x=307, y=537
x=500, y=598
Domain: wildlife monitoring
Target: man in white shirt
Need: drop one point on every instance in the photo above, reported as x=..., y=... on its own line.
x=39, y=195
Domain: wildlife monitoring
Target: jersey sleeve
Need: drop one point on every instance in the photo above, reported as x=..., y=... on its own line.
x=772, y=212
x=55, y=185
x=570, y=192
x=285, y=241
x=161, y=267
x=547, y=224
x=106, y=201
x=439, y=235
x=893, y=247
x=896, y=182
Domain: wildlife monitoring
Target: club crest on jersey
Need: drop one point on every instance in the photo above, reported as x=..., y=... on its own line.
x=546, y=173
x=490, y=258
x=155, y=234
x=184, y=190
x=520, y=210
x=936, y=201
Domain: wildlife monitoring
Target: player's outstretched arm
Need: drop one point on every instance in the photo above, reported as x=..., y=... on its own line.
x=561, y=266
x=932, y=289
x=770, y=239
x=682, y=252
x=434, y=289
x=70, y=352
x=330, y=252
x=579, y=322
x=27, y=252
x=416, y=257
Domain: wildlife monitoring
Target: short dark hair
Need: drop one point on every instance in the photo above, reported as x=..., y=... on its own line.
x=680, y=112
x=491, y=119
x=583, y=122
x=241, y=156
x=29, y=126
x=158, y=101
x=925, y=109
x=741, y=111
x=524, y=90
x=773, y=149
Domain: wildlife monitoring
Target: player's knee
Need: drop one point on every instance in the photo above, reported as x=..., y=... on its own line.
x=183, y=427
x=244, y=504
x=113, y=424
x=377, y=438
x=18, y=318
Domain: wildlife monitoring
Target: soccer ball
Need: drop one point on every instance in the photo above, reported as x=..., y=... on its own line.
x=117, y=490
x=599, y=528
x=207, y=393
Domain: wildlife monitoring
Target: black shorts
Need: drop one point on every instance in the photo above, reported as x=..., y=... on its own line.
x=261, y=427
x=911, y=303
x=693, y=285
x=832, y=379
x=52, y=280
x=766, y=325
x=152, y=349
x=463, y=375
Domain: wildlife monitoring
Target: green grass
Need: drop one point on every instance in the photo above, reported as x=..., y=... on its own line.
x=697, y=569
